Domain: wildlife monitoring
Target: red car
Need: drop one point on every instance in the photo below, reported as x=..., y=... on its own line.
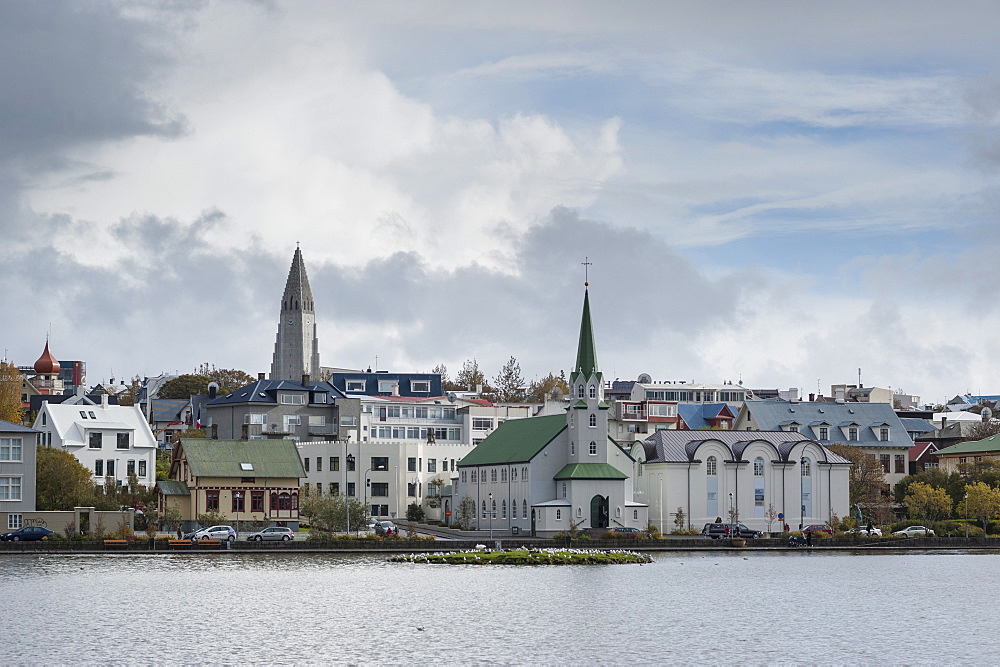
x=817, y=528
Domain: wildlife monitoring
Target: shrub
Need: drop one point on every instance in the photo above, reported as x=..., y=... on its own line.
x=414, y=512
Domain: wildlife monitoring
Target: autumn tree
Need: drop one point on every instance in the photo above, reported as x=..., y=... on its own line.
x=184, y=386
x=509, y=383
x=446, y=383
x=867, y=480
x=983, y=430
x=538, y=390
x=11, y=382
x=927, y=502
x=228, y=379
x=131, y=392
x=61, y=482
x=982, y=502
x=953, y=483
x=470, y=376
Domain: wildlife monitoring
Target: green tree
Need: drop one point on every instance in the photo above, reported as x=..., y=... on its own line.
x=538, y=390
x=509, y=383
x=927, y=502
x=131, y=392
x=189, y=433
x=465, y=517
x=983, y=502
x=952, y=482
x=470, y=376
x=228, y=379
x=867, y=480
x=162, y=466
x=185, y=386
x=446, y=383
x=61, y=482
x=414, y=512
x=680, y=519
x=11, y=382
x=328, y=513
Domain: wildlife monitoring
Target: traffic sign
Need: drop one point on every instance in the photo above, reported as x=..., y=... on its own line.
x=781, y=516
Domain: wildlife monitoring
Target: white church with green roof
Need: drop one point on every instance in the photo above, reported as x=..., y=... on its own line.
x=546, y=475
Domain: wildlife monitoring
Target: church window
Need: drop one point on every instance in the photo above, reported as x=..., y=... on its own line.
x=618, y=512
x=524, y=474
x=593, y=421
x=473, y=476
x=579, y=512
x=503, y=510
x=503, y=474
x=807, y=467
x=493, y=508
x=558, y=515
x=524, y=511
x=579, y=391
x=758, y=467
x=493, y=475
x=593, y=391
x=464, y=477
x=593, y=448
x=564, y=489
x=710, y=466
x=484, y=509
x=513, y=474
x=635, y=514
x=572, y=448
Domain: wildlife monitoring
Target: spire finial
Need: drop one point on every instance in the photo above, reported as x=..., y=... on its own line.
x=586, y=271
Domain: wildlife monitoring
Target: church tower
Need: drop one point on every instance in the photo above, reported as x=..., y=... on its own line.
x=587, y=416
x=296, y=349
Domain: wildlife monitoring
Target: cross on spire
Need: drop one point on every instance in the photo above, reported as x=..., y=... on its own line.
x=586, y=270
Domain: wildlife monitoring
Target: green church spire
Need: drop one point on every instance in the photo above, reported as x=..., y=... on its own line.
x=586, y=354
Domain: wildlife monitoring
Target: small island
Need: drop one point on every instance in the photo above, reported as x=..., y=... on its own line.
x=527, y=556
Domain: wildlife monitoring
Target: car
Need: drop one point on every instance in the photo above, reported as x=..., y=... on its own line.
x=874, y=532
x=26, y=534
x=817, y=528
x=914, y=531
x=275, y=533
x=386, y=529
x=717, y=530
x=629, y=530
x=214, y=533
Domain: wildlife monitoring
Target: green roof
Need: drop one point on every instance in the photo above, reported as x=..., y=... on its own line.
x=224, y=458
x=586, y=353
x=169, y=487
x=590, y=471
x=990, y=444
x=516, y=441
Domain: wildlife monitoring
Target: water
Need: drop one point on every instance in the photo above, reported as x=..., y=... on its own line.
x=684, y=608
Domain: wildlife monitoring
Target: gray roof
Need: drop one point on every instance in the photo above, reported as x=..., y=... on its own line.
x=914, y=425
x=869, y=417
x=266, y=391
x=11, y=427
x=670, y=446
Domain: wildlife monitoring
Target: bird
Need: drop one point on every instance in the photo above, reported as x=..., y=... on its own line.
x=421, y=629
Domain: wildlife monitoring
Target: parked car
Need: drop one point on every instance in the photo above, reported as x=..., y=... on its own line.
x=717, y=530
x=275, y=533
x=874, y=532
x=817, y=528
x=914, y=531
x=214, y=533
x=386, y=529
x=625, y=529
x=25, y=534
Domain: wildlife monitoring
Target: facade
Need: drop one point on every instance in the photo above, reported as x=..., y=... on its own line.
x=384, y=383
x=950, y=458
x=112, y=441
x=243, y=480
x=551, y=474
x=296, y=347
x=17, y=472
x=739, y=476
x=874, y=427
x=635, y=420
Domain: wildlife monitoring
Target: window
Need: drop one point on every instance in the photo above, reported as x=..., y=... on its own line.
x=484, y=509
x=15, y=521
x=212, y=501
x=110, y=466
x=513, y=474
x=10, y=488
x=806, y=467
x=710, y=466
x=317, y=420
x=252, y=418
x=292, y=420
x=10, y=449
x=95, y=440
x=793, y=428
x=380, y=463
x=464, y=480
x=319, y=488
x=99, y=468
x=883, y=434
x=348, y=421
x=593, y=421
x=83, y=415
x=432, y=465
x=593, y=448
x=380, y=489
x=558, y=515
x=239, y=501
x=355, y=385
x=579, y=390
x=503, y=474
x=319, y=464
x=524, y=474
x=319, y=397
x=334, y=488
x=524, y=511
x=758, y=467
x=411, y=465
x=122, y=440
x=473, y=475
x=350, y=464
x=420, y=386
x=493, y=475
x=334, y=463
x=387, y=386
x=350, y=489
x=411, y=489
x=618, y=512
x=130, y=467
x=572, y=448
x=142, y=467
x=593, y=391
x=92, y=415
x=824, y=433
x=852, y=433
x=503, y=510
x=305, y=463
x=564, y=490
x=884, y=460
x=482, y=423
x=256, y=501
x=899, y=463
x=293, y=399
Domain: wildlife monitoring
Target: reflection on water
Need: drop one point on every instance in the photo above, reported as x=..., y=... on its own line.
x=687, y=607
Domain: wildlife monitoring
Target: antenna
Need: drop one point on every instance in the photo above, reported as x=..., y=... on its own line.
x=860, y=386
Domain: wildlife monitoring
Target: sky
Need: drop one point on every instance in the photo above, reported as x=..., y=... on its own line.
x=776, y=193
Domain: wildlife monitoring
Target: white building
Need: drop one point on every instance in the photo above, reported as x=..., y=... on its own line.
x=109, y=440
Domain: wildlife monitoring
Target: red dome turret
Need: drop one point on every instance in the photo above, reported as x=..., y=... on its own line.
x=46, y=364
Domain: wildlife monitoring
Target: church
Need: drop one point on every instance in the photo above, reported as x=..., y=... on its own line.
x=551, y=474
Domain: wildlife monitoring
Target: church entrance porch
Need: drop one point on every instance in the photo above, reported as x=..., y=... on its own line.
x=599, y=512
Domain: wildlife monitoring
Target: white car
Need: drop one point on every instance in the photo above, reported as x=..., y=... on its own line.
x=214, y=533
x=875, y=532
x=914, y=531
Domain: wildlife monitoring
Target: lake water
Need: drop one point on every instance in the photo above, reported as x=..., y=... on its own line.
x=685, y=607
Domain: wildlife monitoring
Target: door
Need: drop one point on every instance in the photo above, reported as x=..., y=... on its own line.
x=599, y=512
x=532, y=521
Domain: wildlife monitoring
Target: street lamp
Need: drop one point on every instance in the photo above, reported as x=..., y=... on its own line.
x=732, y=515
x=349, y=463
x=802, y=506
x=491, y=515
x=966, y=515
x=239, y=503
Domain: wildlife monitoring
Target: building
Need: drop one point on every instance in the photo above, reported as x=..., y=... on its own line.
x=113, y=441
x=243, y=480
x=874, y=427
x=296, y=347
x=17, y=472
x=566, y=469
x=739, y=476
x=950, y=458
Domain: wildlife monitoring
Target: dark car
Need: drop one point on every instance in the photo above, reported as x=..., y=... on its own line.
x=718, y=530
x=625, y=529
x=25, y=534
x=817, y=528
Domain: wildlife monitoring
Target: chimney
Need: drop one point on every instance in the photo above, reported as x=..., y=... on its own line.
x=260, y=376
x=213, y=390
x=479, y=389
x=944, y=422
x=812, y=397
x=793, y=394
x=104, y=400
x=839, y=395
x=305, y=379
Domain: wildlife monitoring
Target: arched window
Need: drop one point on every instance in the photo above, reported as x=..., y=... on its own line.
x=284, y=501
x=484, y=509
x=274, y=501
x=579, y=512
x=593, y=421
x=473, y=476
x=593, y=448
x=758, y=467
x=593, y=391
x=513, y=474
x=524, y=510
x=564, y=489
x=579, y=390
x=524, y=474
x=493, y=475
x=493, y=508
x=503, y=474
x=618, y=512
x=558, y=515
x=503, y=510
x=635, y=514
x=806, y=467
x=710, y=466
x=572, y=448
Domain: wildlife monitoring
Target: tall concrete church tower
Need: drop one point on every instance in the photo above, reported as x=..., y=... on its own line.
x=296, y=349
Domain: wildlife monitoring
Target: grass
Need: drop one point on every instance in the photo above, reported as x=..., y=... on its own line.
x=527, y=557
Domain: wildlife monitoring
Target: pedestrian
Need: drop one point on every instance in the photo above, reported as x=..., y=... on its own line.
x=870, y=528
x=786, y=528
x=809, y=538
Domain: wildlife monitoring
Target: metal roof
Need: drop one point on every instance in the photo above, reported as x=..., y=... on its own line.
x=223, y=458
x=516, y=441
x=671, y=446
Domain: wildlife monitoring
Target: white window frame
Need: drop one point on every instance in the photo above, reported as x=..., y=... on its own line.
x=420, y=386
x=15, y=521
x=292, y=399
x=354, y=386
x=7, y=447
x=8, y=487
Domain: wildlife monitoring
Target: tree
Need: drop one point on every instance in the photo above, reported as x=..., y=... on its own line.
x=131, y=392
x=509, y=383
x=162, y=466
x=190, y=433
x=228, y=379
x=680, y=518
x=328, y=513
x=446, y=383
x=983, y=429
x=539, y=390
x=926, y=502
x=466, y=514
x=11, y=382
x=185, y=386
x=414, y=512
x=982, y=502
x=867, y=480
x=771, y=515
x=470, y=376
x=952, y=482
x=61, y=482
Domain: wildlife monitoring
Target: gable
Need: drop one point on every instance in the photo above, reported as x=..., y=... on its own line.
x=516, y=441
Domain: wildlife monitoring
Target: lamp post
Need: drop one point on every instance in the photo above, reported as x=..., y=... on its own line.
x=348, y=464
x=802, y=507
x=732, y=515
x=366, y=485
x=491, y=515
x=966, y=515
x=239, y=503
